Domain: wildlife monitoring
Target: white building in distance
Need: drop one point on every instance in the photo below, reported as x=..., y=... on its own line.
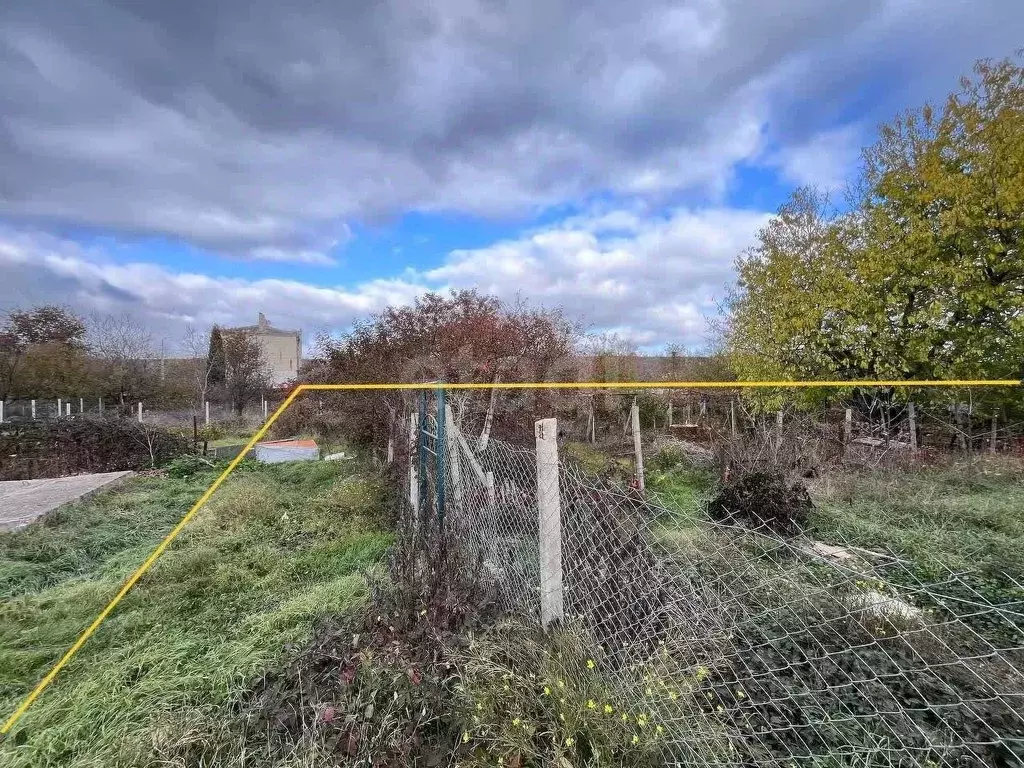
x=282, y=350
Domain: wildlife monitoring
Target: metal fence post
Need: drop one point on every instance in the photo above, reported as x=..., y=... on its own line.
x=638, y=446
x=549, y=508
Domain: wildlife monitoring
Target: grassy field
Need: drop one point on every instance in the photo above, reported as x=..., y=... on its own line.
x=278, y=547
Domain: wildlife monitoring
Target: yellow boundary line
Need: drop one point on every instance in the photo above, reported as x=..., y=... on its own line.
x=170, y=537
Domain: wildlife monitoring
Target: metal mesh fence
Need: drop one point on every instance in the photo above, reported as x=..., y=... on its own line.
x=740, y=646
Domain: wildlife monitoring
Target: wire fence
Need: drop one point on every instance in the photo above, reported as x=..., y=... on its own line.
x=740, y=646
x=209, y=413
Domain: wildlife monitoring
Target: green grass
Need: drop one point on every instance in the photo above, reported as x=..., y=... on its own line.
x=963, y=518
x=278, y=547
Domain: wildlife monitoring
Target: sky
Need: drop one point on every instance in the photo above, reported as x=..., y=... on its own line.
x=192, y=163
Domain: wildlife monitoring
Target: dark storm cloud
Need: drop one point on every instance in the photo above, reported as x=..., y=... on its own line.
x=261, y=127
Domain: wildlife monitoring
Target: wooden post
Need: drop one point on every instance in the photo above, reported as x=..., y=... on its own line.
x=549, y=507
x=206, y=406
x=492, y=501
x=33, y=409
x=414, y=487
x=638, y=448
x=452, y=447
x=847, y=426
x=912, y=415
x=140, y=412
x=485, y=434
x=961, y=438
x=992, y=438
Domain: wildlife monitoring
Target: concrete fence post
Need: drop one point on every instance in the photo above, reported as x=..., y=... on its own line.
x=101, y=406
x=912, y=416
x=669, y=413
x=140, y=412
x=847, y=425
x=60, y=408
x=1, y=411
x=732, y=418
x=68, y=408
x=638, y=448
x=206, y=408
x=992, y=438
x=414, y=486
x=81, y=405
x=33, y=403
x=549, y=509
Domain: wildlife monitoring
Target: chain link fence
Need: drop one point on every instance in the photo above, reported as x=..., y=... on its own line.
x=740, y=646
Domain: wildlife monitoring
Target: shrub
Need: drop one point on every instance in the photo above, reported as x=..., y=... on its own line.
x=762, y=501
x=62, y=447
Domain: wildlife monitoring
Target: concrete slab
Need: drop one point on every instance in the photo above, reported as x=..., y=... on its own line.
x=22, y=501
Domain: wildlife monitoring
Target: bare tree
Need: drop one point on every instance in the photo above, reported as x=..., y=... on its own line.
x=246, y=374
x=196, y=345
x=123, y=346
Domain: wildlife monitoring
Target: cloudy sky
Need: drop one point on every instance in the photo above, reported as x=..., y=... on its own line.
x=199, y=162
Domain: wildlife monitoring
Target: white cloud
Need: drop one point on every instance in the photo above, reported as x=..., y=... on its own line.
x=827, y=160
x=653, y=279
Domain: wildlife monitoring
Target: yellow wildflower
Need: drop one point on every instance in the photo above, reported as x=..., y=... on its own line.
x=561, y=683
x=740, y=694
x=591, y=704
x=659, y=729
x=641, y=720
x=608, y=709
x=649, y=691
x=570, y=741
x=590, y=664
x=719, y=708
x=673, y=695
x=636, y=739
x=702, y=672
x=547, y=690
x=465, y=736
x=625, y=717
x=516, y=721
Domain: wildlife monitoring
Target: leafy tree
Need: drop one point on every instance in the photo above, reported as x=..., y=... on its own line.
x=922, y=277
x=41, y=352
x=216, y=362
x=463, y=337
